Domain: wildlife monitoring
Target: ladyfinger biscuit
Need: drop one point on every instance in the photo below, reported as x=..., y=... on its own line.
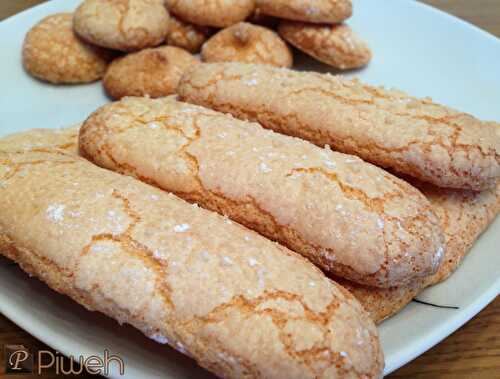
x=245, y=42
x=125, y=25
x=317, y=11
x=216, y=13
x=239, y=304
x=411, y=136
x=383, y=303
x=52, y=52
x=347, y=216
x=335, y=45
x=62, y=139
x=151, y=72
x=464, y=216
x=185, y=35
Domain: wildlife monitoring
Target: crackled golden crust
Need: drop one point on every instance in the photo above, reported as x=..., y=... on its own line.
x=245, y=42
x=63, y=139
x=464, y=216
x=335, y=45
x=216, y=13
x=185, y=35
x=383, y=303
x=412, y=136
x=138, y=254
x=347, y=216
x=53, y=53
x=153, y=72
x=316, y=11
x=125, y=25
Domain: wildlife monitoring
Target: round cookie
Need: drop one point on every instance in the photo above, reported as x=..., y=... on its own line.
x=151, y=72
x=317, y=11
x=216, y=13
x=247, y=43
x=335, y=45
x=185, y=35
x=125, y=25
x=52, y=52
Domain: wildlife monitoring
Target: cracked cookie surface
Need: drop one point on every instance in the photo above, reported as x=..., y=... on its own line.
x=62, y=139
x=315, y=11
x=216, y=13
x=346, y=215
x=186, y=35
x=125, y=25
x=411, y=136
x=138, y=254
x=335, y=45
x=464, y=216
x=248, y=43
x=53, y=53
x=153, y=72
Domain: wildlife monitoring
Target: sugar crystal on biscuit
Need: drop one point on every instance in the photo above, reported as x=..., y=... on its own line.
x=253, y=262
x=264, y=167
x=330, y=164
x=380, y=223
x=226, y=261
x=181, y=228
x=55, y=212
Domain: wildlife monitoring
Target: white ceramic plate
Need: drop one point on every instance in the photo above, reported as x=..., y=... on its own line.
x=416, y=48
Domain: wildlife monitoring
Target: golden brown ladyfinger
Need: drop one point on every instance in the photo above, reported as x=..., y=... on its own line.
x=464, y=215
x=347, y=216
x=383, y=303
x=411, y=136
x=63, y=139
x=239, y=304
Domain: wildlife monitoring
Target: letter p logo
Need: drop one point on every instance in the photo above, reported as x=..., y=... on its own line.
x=18, y=360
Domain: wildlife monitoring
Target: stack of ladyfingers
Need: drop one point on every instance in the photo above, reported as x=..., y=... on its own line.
x=250, y=222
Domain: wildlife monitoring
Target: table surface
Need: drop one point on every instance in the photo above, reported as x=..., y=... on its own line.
x=471, y=352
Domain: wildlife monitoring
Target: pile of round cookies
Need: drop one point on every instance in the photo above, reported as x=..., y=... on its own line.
x=143, y=47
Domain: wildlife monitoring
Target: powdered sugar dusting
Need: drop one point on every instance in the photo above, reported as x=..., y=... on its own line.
x=253, y=262
x=264, y=167
x=380, y=223
x=226, y=261
x=55, y=212
x=251, y=82
x=181, y=228
x=330, y=164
